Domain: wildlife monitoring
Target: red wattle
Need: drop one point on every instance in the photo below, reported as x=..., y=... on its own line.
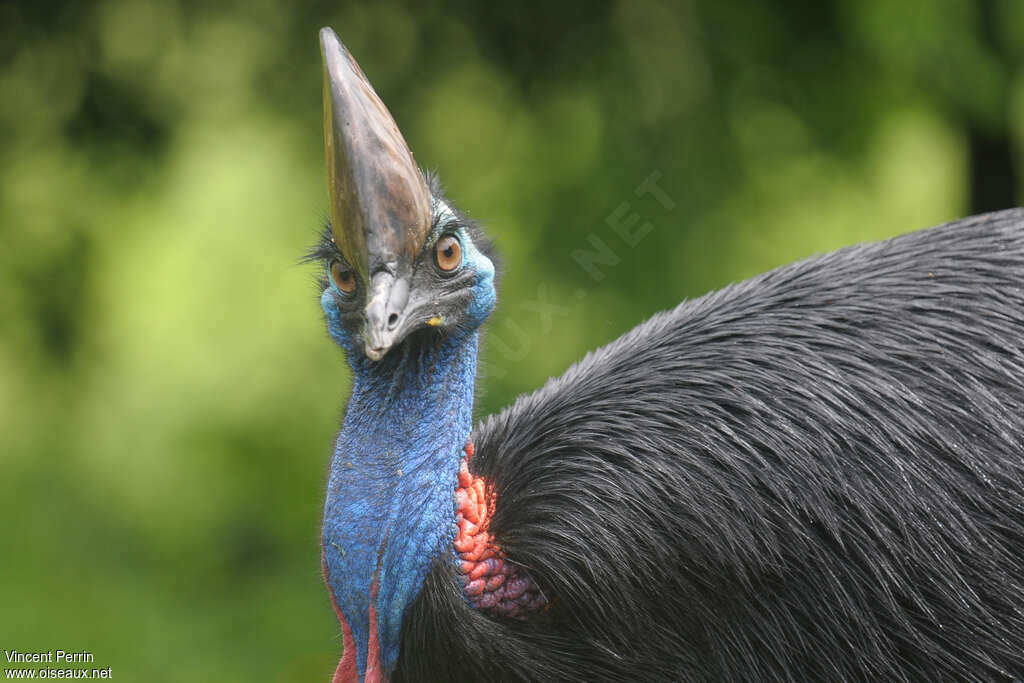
x=374, y=670
x=348, y=669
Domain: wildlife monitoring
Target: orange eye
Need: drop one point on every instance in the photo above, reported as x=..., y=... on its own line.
x=344, y=279
x=448, y=253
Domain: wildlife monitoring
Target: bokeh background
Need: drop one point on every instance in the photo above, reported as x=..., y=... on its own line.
x=168, y=397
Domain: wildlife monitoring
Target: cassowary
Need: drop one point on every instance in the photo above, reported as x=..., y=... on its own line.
x=816, y=474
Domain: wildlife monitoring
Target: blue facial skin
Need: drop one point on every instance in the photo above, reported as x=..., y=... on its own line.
x=390, y=507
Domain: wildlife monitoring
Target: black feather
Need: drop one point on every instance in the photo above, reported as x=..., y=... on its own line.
x=816, y=474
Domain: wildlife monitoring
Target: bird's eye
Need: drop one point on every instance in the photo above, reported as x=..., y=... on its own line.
x=344, y=279
x=448, y=253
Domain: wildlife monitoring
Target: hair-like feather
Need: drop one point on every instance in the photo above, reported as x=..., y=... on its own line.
x=816, y=474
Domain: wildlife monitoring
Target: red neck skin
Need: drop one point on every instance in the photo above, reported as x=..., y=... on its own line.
x=491, y=582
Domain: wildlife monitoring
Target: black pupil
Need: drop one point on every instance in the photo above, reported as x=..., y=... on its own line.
x=449, y=251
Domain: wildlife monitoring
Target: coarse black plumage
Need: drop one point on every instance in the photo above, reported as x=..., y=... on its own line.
x=816, y=474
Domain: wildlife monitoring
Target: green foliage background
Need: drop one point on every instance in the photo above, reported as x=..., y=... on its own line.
x=168, y=397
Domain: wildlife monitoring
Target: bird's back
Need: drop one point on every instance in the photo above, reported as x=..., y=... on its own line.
x=816, y=474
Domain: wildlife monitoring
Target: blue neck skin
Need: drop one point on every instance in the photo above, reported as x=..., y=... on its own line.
x=390, y=496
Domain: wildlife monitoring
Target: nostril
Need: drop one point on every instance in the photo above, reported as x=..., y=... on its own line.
x=392, y=319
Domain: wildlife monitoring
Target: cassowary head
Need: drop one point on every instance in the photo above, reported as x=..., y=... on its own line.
x=401, y=262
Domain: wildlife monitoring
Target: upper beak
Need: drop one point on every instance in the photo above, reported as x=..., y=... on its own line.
x=380, y=203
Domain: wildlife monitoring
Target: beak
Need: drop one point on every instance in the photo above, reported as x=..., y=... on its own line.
x=380, y=203
x=385, y=313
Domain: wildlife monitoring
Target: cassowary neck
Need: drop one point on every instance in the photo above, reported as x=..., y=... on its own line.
x=390, y=505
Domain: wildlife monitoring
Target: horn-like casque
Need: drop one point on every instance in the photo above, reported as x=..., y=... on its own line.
x=380, y=203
